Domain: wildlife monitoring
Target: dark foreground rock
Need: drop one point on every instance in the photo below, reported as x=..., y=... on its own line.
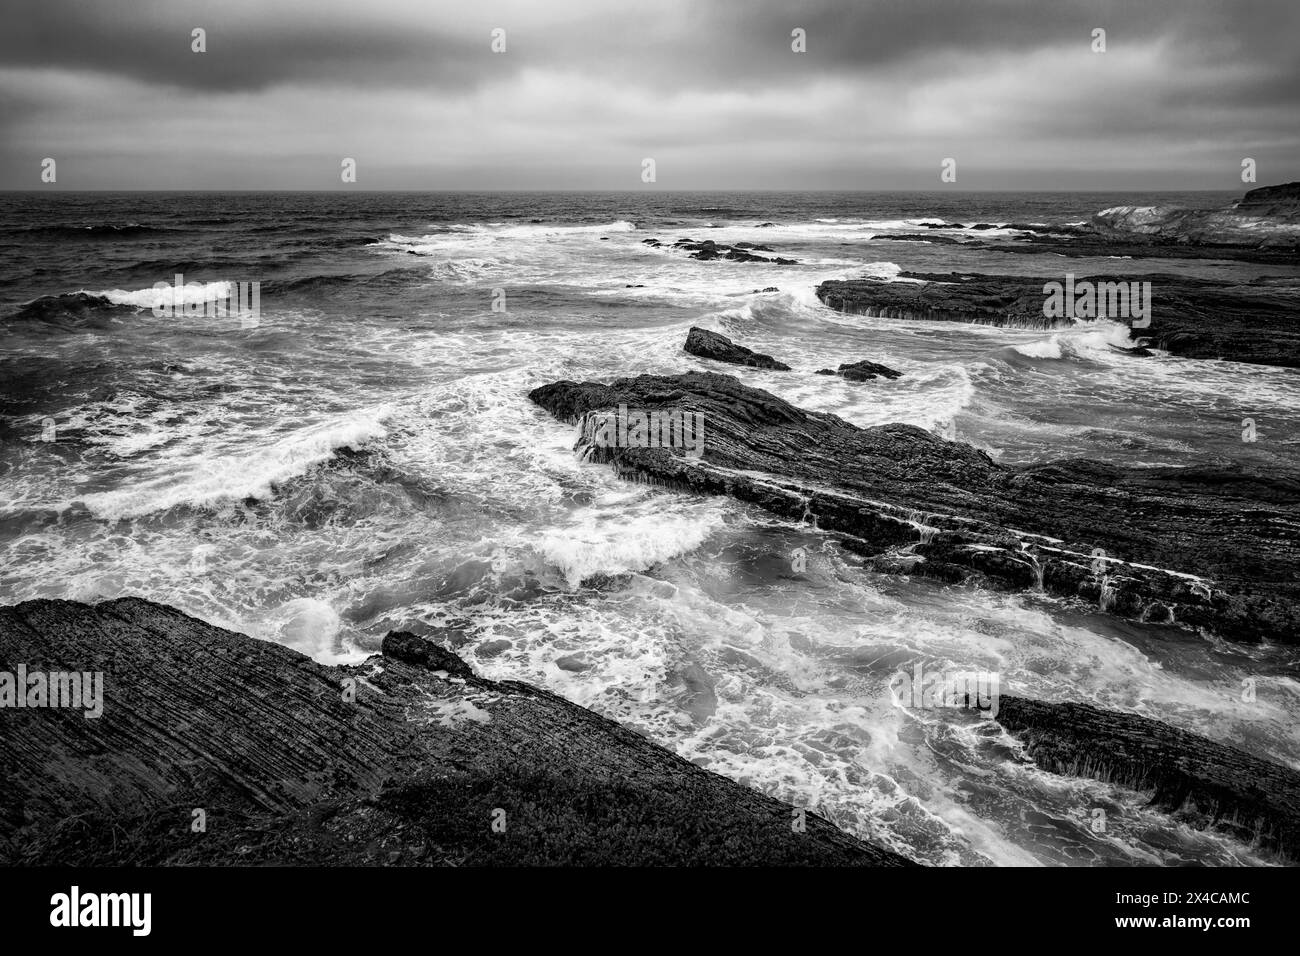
x=1202, y=783
x=1212, y=548
x=863, y=371
x=1196, y=318
x=719, y=348
x=287, y=769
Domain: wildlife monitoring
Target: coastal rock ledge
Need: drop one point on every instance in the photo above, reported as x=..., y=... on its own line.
x=286, y=766
x=1163, y=546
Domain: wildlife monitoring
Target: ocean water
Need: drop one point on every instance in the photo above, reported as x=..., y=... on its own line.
x=365, y=458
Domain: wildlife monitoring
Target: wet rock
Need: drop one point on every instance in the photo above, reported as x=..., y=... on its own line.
x=1149, y=544
x=416, y=651
x=913, y=237
x=862, y=371
x=719, y=348
x=1195, y=318
x=740, y=252
x=574, y=663
x=1199, y=781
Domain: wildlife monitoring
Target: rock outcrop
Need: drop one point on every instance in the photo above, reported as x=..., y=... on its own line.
x=215, y=748
x=1161, y=545
x=719, y=348
x=1200, y=782
x=1275, y=202
x=1194, y=318
x=1266, y=217
x=1262, y=226
x=863, y=371
x=709, y=250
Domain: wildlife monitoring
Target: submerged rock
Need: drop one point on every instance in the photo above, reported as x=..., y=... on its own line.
x=405, y=759
x=1159, y=545
x=719, y=348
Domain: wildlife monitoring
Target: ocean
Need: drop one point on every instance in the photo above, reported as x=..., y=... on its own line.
x=364, y=458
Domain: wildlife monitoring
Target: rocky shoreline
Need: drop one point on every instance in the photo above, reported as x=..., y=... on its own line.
x=406, y=759
x=214, y=748
x=1262, y=227
x=1194, y=318
x=1162, y=546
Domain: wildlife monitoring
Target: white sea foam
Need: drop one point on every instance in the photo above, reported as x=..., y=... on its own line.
x=1049, y=348
x=191, y=293
x=632, y=536
x=200, y=480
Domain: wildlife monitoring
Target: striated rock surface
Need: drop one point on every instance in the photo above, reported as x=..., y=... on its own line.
x=1195, y=318
x=1163, y=545
x=719, y=348
x=408, y=758
x=1202, y=783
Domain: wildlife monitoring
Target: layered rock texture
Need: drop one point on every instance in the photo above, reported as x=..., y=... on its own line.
x=1209, y=548
x=215, y=748
x=1202, y=783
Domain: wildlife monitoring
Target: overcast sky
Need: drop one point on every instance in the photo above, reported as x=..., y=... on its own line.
x=710, y=89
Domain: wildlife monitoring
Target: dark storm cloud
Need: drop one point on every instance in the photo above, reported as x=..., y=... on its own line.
x=588, y=87
x=248, y=49
x=673, y=44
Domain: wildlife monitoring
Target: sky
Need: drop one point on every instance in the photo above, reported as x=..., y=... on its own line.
x=711, y=90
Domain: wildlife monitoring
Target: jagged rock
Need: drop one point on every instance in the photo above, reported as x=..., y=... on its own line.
x=395, y=760
x=1174, y=547
x=404, y=646
x=1198, y=780
x=740, y=252
x=1195, y=318
x=862, y=371
x=719, y=348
